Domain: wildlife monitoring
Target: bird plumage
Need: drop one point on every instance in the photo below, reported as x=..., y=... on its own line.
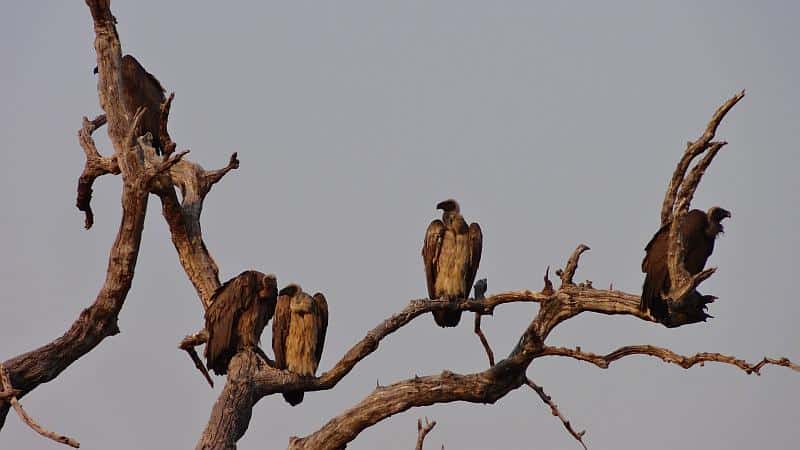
x=141, y=89
x=699, y=231
x=239, y=311
x=298, y=334
x=451, y=253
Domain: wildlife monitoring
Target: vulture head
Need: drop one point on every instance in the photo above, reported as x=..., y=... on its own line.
x=451, y=214
x=448, y=205
x=269, y=287
x=302, y=304
x=715, y=216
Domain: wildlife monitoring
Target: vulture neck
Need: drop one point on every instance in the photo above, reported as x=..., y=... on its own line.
x=454, y=221
x=714, y=228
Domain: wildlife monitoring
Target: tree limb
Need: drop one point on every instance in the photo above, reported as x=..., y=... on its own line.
x=554, y=410
x=666, y=355
x=5, y=383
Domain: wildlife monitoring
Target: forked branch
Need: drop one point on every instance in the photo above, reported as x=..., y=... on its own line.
x=422, y=431
x=676, y=203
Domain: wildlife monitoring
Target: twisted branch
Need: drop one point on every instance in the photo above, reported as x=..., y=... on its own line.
x=666, y=355
x=676, y=203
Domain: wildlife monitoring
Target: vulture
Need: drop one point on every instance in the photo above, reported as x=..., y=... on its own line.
x=239, y=311
x=451, y=253
x=298, y=334
x=699, y=230
x=141, y=88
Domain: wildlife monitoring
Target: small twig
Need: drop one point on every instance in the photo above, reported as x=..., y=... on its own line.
x=666, y=355
x=480, y=294
x=7, y=388
x=188, y=344
x=423, y=430
x=548, y=285
x=554, y=409
x=168, y=163
x=167, y=146
x=572, y=265
x=213, y=176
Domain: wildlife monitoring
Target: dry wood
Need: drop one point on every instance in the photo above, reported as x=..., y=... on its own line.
x=578, y=435
x=250, y=378
x=666, y=355
x=11, y=396
x=677, y=199
x=422, y=431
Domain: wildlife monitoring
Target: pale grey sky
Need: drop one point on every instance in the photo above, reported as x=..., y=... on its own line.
x=553, y=124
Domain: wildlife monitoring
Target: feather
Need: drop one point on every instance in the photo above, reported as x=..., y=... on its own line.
x=142, y=89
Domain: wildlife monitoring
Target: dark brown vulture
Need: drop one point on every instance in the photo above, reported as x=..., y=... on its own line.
x=699, y=230
x=298, y=334
x=239, y=311
x=451, y=253
x=141, y=88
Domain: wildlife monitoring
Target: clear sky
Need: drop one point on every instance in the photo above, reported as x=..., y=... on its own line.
x=553, y=123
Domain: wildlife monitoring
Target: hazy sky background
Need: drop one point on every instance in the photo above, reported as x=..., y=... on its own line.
x=552, y=123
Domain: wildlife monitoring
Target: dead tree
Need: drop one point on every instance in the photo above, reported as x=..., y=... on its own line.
x=251, y=378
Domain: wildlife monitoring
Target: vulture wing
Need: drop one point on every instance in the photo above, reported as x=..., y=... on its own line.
x=475, y=248
x=697, y=250
x=141, y=88
x=280, y=326
x=698, y=244
x=227, y=305
x=430, y=253
x=656, y=280
x=321, y=306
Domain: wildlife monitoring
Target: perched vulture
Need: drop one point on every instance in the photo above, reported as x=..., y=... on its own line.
x=699, y=230
x=298, y=334
x=239, y=311
x=451, y=253
x=141, y=88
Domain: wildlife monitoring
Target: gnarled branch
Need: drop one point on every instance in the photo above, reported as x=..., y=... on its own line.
x=666, y=355
x=677, y=199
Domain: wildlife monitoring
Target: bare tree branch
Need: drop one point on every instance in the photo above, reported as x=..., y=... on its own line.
x=693, y=149
x=480, y=294
x=11, y=396
x=666, y=355
x=554, y=410
x=96, y=166
x=423, y=431
x=98, y=321
x=568, y=273
x=682, y=295
x=166, y=140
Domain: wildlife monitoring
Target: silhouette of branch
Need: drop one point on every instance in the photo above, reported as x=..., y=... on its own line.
x=554, y=409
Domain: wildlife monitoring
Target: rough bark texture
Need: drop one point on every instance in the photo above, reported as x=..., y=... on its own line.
x=250, y=378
